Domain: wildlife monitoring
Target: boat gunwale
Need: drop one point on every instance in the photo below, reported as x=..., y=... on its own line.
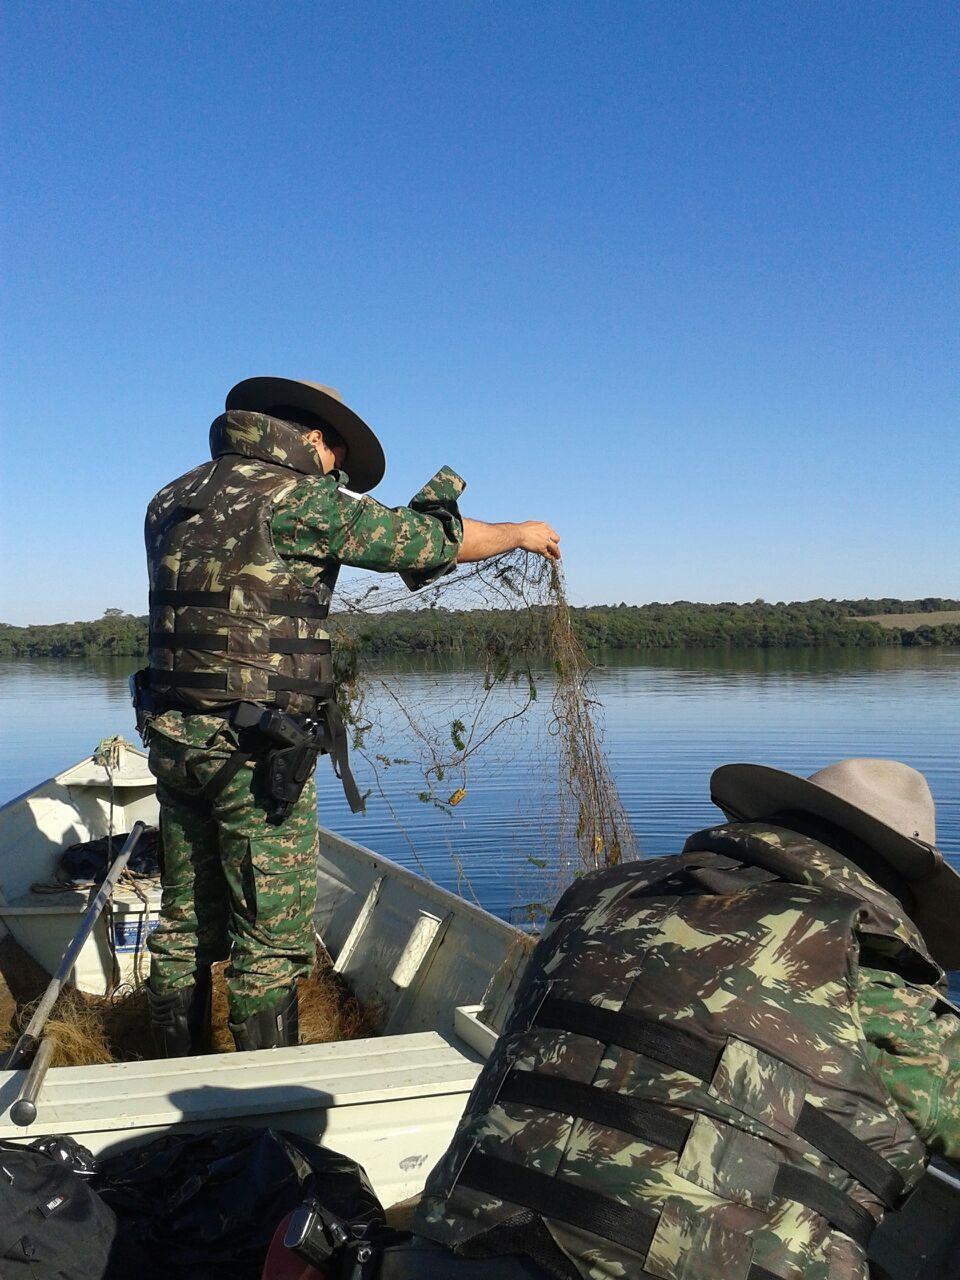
x=423, y=885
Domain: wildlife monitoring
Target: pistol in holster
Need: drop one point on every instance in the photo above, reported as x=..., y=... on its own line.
x=295, y=742
x=144, y=703
x=295, y=746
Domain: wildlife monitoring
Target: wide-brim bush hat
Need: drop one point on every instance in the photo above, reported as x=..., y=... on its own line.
x=885, y=804
x=365, y=463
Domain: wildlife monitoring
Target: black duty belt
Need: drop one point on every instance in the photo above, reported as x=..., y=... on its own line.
x=292, y=740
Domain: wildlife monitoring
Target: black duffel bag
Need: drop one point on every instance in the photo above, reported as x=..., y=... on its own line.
x=204, y=1206
x=52, y=1225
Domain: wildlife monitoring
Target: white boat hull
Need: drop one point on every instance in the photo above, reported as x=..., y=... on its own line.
x=423, y=954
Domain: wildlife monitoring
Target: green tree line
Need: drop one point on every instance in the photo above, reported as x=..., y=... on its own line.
x=682, y=624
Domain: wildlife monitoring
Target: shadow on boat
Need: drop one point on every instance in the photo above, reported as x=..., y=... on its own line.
x=296, y=1109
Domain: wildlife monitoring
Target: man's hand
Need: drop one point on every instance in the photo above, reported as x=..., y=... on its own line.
x=481, y=540
x=537, y=536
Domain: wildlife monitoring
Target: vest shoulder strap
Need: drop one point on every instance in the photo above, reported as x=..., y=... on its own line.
x=202, y=496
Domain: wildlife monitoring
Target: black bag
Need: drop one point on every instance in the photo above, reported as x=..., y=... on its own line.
x=205, y=1206
x=52, y=1226
x=87, y=863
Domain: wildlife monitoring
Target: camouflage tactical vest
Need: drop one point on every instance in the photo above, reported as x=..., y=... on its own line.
x=682, y=1089
x=229, y=621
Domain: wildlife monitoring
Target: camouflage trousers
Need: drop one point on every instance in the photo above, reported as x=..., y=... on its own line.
x=235, y=886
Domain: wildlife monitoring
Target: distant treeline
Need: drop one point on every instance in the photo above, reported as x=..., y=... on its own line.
x=802, y=624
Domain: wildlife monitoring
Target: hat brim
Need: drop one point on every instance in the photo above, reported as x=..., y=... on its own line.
x=365, y=463
x=751, y=792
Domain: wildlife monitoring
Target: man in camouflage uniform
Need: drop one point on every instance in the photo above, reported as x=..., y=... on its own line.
x=724, y=1065
x=243, y=554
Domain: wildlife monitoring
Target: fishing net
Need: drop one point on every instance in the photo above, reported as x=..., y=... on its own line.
x=87, y=1030
x=75, y=1026
x=509, y=618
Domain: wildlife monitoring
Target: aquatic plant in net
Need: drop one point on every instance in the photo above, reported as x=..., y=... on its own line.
x=594, y=828
x=509, y=618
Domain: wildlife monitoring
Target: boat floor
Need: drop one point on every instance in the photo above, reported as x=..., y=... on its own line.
x=329, y=1010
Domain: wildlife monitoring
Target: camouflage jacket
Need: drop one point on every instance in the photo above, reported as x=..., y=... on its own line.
x=913, y=1043
x=684, y=1088
x=310, y=527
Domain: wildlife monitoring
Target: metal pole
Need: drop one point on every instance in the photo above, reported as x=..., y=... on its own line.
x=24, y=1110
x=948, y=1176
x=30, y=1038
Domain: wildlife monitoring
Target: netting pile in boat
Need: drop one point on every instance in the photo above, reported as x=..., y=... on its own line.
x=87, y=1029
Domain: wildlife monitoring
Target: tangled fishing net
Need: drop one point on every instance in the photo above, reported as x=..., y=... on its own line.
x=87, y=1030
x=509, y=617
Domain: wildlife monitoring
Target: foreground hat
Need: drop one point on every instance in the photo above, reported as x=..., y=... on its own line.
x=365, y=461
x=885, y=804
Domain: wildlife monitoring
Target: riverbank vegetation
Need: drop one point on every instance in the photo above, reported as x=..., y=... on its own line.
x=464, y=633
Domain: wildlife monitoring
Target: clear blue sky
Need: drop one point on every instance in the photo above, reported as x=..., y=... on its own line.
x=681, y=278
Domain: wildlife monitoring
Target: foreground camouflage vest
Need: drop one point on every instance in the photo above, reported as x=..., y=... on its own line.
x=228, y=620
x=682, y=1089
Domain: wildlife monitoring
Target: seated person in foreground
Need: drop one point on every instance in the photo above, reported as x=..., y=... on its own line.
x=728, y=1063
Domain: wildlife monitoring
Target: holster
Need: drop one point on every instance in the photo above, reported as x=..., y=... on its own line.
x=295, y=744
x=295, y=749
x=144, y=703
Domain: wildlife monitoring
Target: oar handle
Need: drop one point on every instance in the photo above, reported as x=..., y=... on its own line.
x=949, y=1176
x=31, y=1036
x=24, y=1110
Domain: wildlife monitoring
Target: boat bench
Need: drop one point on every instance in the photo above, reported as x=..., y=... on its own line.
x=391, y=1103
x=43, y=925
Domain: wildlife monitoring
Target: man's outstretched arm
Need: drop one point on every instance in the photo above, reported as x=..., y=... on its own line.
x=482, y=540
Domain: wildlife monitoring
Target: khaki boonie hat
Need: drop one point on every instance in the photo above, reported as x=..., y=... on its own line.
x=885, y=804
x=365, y=463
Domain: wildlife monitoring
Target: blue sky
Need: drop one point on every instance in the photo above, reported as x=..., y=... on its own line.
x=680, y=278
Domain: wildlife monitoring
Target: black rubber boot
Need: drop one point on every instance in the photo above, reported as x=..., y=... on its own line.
x=180, y=1020
x=272, y=1028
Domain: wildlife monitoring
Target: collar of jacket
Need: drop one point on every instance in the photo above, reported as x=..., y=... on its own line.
x=256, y=435
x=799, y=859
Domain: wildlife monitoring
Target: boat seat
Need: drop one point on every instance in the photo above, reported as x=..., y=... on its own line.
x=391, y=1103
x=43, y=925
x=67, y=901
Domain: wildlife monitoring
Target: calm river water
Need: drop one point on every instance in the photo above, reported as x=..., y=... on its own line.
x=670, y=718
